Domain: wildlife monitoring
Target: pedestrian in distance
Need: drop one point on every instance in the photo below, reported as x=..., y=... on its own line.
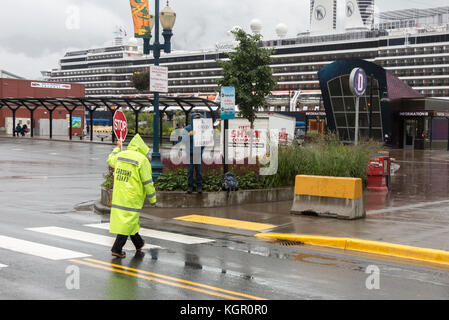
x=18, y=129
x=133, y=184
x=24, y=130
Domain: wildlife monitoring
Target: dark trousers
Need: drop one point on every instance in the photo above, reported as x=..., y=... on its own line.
x=120, y=241
x=199, y=174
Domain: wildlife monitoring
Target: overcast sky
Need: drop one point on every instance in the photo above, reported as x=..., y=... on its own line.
x=35, y=34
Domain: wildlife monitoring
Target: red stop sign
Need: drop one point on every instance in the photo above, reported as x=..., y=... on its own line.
x=120, y=125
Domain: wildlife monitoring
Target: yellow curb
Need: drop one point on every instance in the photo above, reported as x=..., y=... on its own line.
x=377, y=247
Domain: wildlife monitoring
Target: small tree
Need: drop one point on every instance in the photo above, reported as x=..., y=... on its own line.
x=248, y=70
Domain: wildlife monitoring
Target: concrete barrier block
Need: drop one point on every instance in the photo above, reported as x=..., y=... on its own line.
x=329, y=196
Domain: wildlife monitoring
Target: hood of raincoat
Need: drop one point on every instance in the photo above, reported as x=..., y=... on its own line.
x=195, y=115
x=137, y=144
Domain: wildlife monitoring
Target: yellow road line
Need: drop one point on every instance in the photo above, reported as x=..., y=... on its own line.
x=176, y=279
x=238, y=224
x=112, y=267
x=154, y=279
x=376, y=247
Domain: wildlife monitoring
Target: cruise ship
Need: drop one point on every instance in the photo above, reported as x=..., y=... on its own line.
x=413, y=44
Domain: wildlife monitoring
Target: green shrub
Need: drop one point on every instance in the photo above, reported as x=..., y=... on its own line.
x=108, y=180
x=326, y=156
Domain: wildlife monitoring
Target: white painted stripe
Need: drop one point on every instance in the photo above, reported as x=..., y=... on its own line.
x=413, y=206
x=86, y=237
x=3, y=265
x=169, y=236
x=37, y=249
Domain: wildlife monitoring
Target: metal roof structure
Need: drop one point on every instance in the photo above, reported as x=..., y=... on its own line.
x=137, y=105
x=165, y=103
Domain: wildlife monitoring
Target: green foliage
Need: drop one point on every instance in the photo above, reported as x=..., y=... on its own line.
x=172, y=181
x=250, y=181
x=324, y=156
x=212, y=181
x=108, y=180
x=248, y=70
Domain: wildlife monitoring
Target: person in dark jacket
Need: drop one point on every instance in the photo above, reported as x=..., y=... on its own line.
x=194, y=155
x=18, y=129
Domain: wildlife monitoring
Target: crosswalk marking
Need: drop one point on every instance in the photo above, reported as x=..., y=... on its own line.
x=169, y=236
x=86, y=237
x=37, y=249
x=3, y=265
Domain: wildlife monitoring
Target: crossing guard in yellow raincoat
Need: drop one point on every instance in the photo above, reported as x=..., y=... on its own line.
x=133, y=184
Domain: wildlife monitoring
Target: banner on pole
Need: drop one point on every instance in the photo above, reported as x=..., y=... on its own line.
x=141, y=17
x=227, y=103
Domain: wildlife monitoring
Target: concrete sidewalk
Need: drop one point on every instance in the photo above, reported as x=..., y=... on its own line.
x=415, y=212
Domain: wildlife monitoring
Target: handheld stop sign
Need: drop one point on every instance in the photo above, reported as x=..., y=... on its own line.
x=120, y=125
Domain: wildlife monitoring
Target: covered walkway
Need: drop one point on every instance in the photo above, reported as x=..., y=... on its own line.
x=137, y=105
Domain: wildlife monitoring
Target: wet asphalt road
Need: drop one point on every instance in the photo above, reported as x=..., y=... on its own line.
x=41, y=182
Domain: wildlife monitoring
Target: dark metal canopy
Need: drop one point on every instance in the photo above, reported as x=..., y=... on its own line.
x=184, y=103
x=137, y=105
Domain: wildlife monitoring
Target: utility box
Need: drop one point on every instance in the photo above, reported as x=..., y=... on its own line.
x=379, y=173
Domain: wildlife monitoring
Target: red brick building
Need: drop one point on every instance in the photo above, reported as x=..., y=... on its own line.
x=14, y=88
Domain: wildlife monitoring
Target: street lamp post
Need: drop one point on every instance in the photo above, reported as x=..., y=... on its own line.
x=167, y=19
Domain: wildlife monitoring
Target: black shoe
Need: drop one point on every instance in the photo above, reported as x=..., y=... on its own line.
x=190, y=190
x=121, y=255
x=200, y=190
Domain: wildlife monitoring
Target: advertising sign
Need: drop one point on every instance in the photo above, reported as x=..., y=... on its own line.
x=141, y=18
x=76, y=122
x=45, y=85
x=120, y=125
x=204, y=132
x=358, y=82
x=227, y=103
x=158, y=79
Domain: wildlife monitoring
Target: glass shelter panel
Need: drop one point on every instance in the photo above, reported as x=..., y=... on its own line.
x=343, y=107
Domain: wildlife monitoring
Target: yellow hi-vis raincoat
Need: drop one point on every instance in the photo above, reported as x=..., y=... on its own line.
x=132, y=183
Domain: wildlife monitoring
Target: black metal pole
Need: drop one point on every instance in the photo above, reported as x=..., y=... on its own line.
x=91, y=115
x=51, y=123
x=136, y=113
x=32, y=122
x=70, y=124
x=13, y=122
x=225, y=146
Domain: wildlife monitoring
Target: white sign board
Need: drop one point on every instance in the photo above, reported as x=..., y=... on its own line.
x=45, y=85
x=239, y=137
x=203, y=132
x=158, y=79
